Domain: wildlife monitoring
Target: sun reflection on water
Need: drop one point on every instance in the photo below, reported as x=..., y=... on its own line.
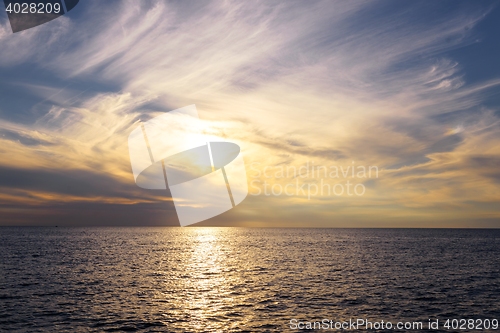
x=206, y=280
x=212, y=280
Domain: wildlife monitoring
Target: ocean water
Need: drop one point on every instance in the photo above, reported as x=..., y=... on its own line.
x=242, y=280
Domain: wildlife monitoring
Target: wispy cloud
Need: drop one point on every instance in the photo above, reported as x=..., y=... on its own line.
x=333, y=82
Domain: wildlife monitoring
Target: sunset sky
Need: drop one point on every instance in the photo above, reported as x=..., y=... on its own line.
x=410, y=87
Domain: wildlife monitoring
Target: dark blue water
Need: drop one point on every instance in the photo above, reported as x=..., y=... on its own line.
x=236, y=279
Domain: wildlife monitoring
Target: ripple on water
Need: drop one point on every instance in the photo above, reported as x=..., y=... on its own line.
x=236, y=279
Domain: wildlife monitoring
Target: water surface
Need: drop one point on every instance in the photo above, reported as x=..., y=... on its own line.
x=237, y=279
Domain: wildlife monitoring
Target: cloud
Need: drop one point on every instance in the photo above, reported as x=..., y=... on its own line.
x=291, y=82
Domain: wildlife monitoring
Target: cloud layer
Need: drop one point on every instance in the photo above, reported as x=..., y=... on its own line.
x=329, y=83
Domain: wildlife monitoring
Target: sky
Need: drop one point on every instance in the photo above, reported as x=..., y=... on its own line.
x=407, y=89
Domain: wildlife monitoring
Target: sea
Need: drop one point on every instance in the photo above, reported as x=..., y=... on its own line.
x=172, y=279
